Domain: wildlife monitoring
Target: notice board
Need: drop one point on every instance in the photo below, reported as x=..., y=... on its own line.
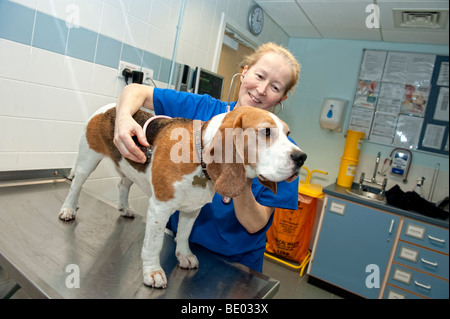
x=402, y=99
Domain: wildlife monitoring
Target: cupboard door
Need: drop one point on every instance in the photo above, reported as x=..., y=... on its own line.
x=353, y=247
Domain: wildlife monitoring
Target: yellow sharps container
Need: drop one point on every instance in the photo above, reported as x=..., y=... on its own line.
x=350, y=158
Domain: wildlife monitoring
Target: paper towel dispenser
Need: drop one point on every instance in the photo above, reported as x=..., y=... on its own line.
x=333, y=114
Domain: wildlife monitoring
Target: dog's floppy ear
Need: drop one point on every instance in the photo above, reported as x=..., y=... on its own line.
x=224, y=162
x=271, y=185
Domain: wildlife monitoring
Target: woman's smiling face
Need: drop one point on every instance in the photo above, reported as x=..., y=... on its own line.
x=264, y=84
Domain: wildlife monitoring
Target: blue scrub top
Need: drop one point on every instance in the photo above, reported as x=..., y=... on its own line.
x=217, y=227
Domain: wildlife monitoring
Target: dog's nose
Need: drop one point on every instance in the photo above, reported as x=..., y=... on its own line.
x=298, y=157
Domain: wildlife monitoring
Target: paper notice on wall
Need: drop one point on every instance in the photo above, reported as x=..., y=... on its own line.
x=441, y=112
x=420, y=69
x=443, y=75
x=361, y=120
x=395, y=69
x=415, y=100
x=367, y=94
x=407, y=132
x=383, y=128
x=409, y=68
x=390, y=98
x=434, y=136
x=372, y=65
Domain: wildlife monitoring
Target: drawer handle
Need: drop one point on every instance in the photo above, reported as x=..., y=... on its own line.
x=436, y=239
x=422, y=285
x=392, y=226
x=429, y=262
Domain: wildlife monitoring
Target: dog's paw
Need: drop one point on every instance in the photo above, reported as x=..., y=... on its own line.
x=127, y=212
x=67, y=213
x=188, y=261
x=154, y=278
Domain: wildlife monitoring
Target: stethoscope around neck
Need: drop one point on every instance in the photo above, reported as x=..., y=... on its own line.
x=229, y=91
x=229, y=94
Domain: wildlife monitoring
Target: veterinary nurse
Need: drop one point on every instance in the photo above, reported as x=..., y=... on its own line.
x=235, y=229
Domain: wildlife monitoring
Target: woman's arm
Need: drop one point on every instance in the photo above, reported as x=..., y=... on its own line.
x=133, y=97
x=252, y=215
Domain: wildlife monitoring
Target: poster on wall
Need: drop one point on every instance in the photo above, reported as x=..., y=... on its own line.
x=367, y=94
x=434, y=136
x=415, y=100
x=402, y=99
x=390, y=98
x=441, y=112
x=370, y=79
x=372, y=65
x=361, y=120
x=383, y=128
x=443, y=75
x=407, y=132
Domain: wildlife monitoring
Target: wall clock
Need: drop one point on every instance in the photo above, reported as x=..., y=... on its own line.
x=256, y=19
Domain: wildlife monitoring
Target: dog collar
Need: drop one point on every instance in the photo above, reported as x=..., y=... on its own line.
x=199, y=148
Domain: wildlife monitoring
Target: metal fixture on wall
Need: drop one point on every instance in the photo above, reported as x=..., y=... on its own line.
x=175, y=46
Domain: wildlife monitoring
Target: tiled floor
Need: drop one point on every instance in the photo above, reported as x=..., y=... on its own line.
x=292, y=285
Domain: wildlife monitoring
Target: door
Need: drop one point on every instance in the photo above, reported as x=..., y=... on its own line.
x=231, y=57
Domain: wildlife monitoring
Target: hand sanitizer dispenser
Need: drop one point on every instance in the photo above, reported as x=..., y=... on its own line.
x=333, y=114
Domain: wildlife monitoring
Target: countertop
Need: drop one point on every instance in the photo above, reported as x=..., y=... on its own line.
x=341, y=192
x=100, y=252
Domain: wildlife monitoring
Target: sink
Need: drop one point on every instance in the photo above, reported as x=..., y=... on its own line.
x=367, y=195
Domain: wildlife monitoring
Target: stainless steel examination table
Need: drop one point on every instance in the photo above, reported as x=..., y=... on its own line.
x=98, y=254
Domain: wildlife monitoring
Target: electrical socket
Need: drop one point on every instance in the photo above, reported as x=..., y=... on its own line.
x=125, y=65
x=148, y=74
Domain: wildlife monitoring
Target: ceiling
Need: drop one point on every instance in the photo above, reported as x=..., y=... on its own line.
x=346, y=19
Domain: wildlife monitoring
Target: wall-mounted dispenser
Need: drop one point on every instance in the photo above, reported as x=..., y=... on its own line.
x=333, y=114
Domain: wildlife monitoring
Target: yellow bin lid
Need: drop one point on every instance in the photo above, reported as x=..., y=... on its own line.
x=312, y=190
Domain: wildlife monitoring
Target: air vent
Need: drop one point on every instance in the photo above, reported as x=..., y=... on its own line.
x=420, y=19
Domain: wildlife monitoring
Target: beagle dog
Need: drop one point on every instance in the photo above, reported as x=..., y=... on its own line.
x=188, y=162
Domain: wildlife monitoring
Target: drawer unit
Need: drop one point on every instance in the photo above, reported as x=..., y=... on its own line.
x=422, y=259
x=425, y=235
x=396, y=293
x=420, y=267
x=418, y=282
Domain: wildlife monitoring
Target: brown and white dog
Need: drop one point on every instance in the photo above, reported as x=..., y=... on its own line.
x=189, y=161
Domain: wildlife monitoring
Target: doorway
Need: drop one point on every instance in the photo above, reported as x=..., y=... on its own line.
x=234, y=50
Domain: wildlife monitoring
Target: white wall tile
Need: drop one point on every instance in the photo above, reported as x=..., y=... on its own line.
x=72, y=106
x=64, y=160
x=36, y=135
x=159, y=16
x=90, y=13
x=14, y=59
x=58, y=9
x=10, y=130
x=40, y=101
x=11, y=97
x=122, y=5
x=77, y=74
x=36, y=160
x=113, y=22
x=140, y=9
x=45, y=67
x=135, y=32
x=67, y=136
x=103, y=80
x=9, y=161
x=97, y=101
